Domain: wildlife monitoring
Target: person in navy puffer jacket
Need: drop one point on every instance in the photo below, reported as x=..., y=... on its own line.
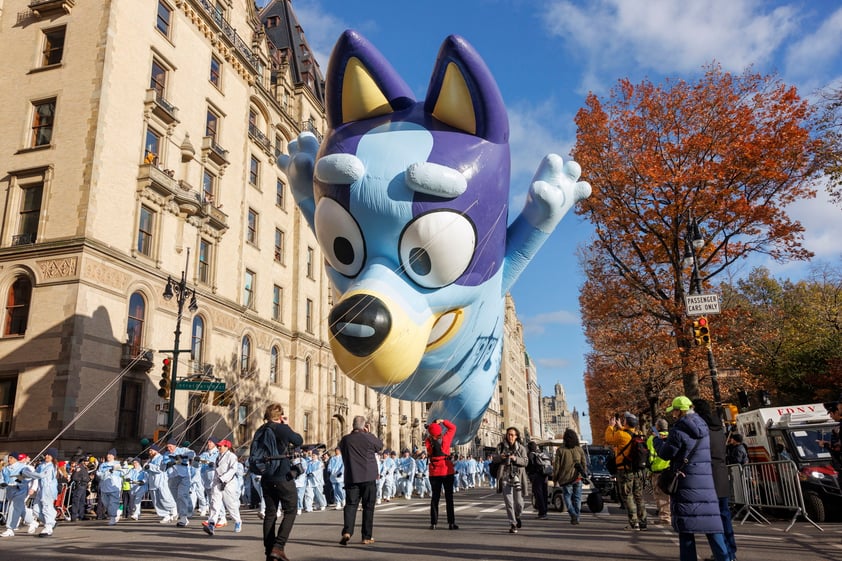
x=695, y=506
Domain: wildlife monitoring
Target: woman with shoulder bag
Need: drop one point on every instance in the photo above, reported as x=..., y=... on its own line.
x=511, y=476
x=568, y=469
x=537, y=479
x=694, y=506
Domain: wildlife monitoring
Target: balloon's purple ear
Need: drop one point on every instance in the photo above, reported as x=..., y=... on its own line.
x=464, y=94
x=360, y=83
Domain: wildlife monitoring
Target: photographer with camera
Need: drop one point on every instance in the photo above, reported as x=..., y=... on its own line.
x=511, y=476
x=442, y=471
x=279, y=487
x=358, y=449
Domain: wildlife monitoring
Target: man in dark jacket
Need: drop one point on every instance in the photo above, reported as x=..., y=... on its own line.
x=735, y=450
x=358, y=450
x=695, y=506
x=279, y=489
x=720, y=472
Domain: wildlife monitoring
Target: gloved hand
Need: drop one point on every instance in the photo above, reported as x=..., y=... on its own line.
x=170, y=464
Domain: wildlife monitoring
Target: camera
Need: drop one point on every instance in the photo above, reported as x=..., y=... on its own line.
x=514, y=481
x=294, y=471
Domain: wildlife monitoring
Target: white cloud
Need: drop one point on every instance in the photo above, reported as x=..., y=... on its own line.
x=820, y=49
x=537, y=325
x=321, y=29
x=668, y=36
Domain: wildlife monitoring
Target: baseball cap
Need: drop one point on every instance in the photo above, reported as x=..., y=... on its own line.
x=435, y=430
x=631, y=420
x=681, y=403
x=224, y=442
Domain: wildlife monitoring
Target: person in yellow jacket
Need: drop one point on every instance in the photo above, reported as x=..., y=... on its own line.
x=656, y=466
x=619, y=435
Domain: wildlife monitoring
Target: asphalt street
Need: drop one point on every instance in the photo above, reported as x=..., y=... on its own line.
x=402, y=534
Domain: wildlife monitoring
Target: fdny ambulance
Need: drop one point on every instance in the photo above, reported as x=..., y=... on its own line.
x=792, y=433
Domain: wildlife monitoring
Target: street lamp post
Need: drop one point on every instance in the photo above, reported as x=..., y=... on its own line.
x=181, y=292
x=693, y=243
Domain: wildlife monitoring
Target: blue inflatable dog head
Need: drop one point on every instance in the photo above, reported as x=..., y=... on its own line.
x=409, y=202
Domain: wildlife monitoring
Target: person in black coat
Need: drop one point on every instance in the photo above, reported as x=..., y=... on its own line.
x=720, y=471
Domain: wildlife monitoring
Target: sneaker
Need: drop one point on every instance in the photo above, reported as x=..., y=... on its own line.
x=513, y=529
x=574, y=520
x=519, y=524
x=221, y=523
x=634, y=526
x=367, y=541
x=165, y=520
x=298, y=512
x=322, y=508
x=9, y=533
x=543, y=517
x=135, y=517
x=182, y=522
x=207, y=527
x=261, y=515
x=47, y=531
x=112, y=521
x=238, y=527
x=642, y=525
x=345, y=539
x=32, y=528
x=337, y=507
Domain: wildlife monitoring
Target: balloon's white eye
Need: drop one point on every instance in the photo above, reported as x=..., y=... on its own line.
x=437, y=247
x=340, y=237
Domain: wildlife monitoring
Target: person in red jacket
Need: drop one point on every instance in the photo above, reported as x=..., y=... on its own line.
x=440, y=435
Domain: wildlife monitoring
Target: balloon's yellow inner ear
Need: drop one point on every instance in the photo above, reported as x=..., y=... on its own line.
x=361, y=98
x=454, y=105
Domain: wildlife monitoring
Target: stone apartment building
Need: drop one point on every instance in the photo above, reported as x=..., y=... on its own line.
x=138, y=163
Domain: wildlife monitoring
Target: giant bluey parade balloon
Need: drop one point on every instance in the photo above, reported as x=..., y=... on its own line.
x=409, y=202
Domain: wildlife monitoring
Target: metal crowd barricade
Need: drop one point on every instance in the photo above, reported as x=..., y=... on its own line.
x=2, y=506
x=768, y=485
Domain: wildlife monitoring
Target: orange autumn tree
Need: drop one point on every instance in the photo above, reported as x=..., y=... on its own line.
x=730, y=151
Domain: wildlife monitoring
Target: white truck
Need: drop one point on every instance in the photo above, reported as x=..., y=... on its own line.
x=792, y=433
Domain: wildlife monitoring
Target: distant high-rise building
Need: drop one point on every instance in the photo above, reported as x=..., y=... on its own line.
x=557, y=417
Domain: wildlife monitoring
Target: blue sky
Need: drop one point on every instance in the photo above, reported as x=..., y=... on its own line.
x=546, y=56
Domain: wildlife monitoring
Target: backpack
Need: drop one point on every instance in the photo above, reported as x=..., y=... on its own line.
x=264, y=457
x=546, y=464
x=638, y=457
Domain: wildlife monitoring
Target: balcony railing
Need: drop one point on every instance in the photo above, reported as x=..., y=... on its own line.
x=24, y=239
x=231, y=34
x=310, y=126
x=189, y=200
x=137, y=357
x=161, y=108
x=260, y=138
x=214, y=151
x=46, y=7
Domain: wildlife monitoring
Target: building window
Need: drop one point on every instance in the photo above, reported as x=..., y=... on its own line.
x=254, y=171
x=280, y=240
x=245, y=356
x=212, y=125
x=53, y=46
x=308, y=374
x=8, y=389
x=356, y=393
x=152, y=147
x=307, y=427
x=274, y=364
x=43, y=115
x=308, y=314
x=333, y=381
x=197, y=346
x=280, y=195
x=144, y=231
x=195, y=418
x=243, y=422
x=277, y=303
x=311, y=255
x=158, y=80
x=208, y=186
x=164, y=18
x=251, y=231
x=30, y=214
x=205, y=249
x=366, y=398
x=18, y=301
x=134, y=325
x=248, y=289
x=128, y=417
x=215, y=71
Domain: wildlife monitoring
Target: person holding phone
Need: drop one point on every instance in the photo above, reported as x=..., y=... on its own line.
x=657, y=464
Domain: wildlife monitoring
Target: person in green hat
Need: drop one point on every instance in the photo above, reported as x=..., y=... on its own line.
x=695, y=505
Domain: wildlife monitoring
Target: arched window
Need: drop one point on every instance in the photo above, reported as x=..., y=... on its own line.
x=307, y=382
x=197, y=349
x=245, y=356
x=17, y=307
x=134, y=326
x=274, y=365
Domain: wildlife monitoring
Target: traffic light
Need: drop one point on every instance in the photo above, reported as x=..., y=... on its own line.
x=164, y=384
x=701, y=331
